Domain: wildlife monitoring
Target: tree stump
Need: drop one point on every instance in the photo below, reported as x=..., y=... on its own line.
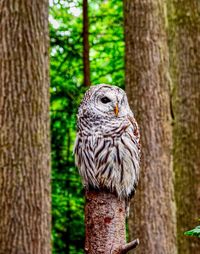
x=105, y=217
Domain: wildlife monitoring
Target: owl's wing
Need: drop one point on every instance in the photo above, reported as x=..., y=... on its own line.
x=136, y=131
x=84, y=159
x=117, y=160
x=135, y=134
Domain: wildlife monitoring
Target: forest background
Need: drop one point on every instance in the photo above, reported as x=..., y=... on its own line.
x=150, y=48
x=107, y=27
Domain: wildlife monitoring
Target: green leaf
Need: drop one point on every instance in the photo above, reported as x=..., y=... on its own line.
x=193, y=232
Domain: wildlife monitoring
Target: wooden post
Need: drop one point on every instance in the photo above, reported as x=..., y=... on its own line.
x=105, y=230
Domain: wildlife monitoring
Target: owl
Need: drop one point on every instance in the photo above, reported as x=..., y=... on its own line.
x=107, y=146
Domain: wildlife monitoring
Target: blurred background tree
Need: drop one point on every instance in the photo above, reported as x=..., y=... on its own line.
x=25, y=196
x=67, y=88
x=184, y=44
x=152, y=214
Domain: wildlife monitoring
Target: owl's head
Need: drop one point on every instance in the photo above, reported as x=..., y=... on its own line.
x=105, y=101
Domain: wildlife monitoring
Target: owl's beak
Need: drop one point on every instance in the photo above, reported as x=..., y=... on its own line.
x=116, y=110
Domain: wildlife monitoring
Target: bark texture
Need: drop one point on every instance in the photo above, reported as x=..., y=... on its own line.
x=24, y=124
x=152, y=217
x=86, y=46
x=105, y=224
x=184, y=28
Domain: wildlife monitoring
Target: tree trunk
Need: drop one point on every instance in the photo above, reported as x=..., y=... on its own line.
x=185, y=62
x=105, y=224
x=152, y=216
x=24, y=122
x=86, y=46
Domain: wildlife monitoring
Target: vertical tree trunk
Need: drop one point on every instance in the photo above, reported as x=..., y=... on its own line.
x=152, y=216
x=86, y=46
x=185, y=62
x=24, y=124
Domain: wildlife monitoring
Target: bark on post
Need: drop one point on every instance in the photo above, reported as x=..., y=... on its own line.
x=105, y=224
x=86, y=46
x=152, y=216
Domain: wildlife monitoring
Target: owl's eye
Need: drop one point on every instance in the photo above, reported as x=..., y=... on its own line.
x=105, y=100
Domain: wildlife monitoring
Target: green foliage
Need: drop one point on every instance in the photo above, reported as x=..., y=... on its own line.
x=66, y=71
x=107, y=42
x=194, y=232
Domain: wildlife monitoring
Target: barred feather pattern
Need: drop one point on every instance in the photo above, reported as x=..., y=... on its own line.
x=107, y=147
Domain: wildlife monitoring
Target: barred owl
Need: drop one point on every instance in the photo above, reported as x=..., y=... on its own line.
x=107, y=147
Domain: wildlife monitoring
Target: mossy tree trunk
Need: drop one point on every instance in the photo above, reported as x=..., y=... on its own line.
x=24, y=121
x=184, y=30
x=152, y=215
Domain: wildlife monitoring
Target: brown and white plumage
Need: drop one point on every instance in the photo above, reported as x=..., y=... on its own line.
x=107, y=148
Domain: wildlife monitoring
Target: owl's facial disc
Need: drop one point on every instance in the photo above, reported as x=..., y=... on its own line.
x=108, y=101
